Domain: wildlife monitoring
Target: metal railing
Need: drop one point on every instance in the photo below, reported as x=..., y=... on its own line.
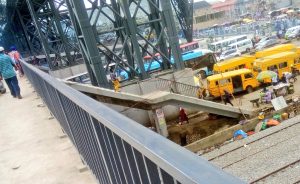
x=176, y=87
x=115, y=148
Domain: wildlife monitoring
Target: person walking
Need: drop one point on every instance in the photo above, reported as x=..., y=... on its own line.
x=227, y=97
x=8, y=74
x=16, y=56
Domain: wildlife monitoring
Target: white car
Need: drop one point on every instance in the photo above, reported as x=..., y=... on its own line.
x=266, y=44
x=229, y=54
x=265, y=39
x=293, y=32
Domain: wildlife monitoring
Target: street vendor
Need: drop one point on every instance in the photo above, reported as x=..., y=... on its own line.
x=266, y=95
x=287, y=76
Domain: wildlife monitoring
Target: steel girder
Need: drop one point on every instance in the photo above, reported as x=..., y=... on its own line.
x=47, y=30
x=184, y=12
x=107, y=33
x=118, y=30
x=87, y=41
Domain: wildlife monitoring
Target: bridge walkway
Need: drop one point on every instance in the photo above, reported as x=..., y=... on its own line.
x=32, y=149
x=159, y=99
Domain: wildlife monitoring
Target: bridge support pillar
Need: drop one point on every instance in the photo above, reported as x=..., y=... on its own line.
x=160, y=122
x=87, y=41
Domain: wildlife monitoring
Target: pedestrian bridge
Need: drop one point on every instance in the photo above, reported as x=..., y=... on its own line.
x=114, y=147
x=159, y=99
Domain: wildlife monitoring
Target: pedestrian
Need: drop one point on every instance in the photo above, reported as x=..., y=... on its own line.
x=115, y=81
x=8, y=74
x=227, y=97
x=182, y=116
x=275, y=80
x=201, y=92
x=16, y=56
x=284, y=79
x=288, y=76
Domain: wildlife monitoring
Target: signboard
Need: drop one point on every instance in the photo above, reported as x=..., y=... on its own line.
x=161, y=122
x=279, y=103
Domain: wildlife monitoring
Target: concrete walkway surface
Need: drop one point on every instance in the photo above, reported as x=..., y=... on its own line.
x=32, y=150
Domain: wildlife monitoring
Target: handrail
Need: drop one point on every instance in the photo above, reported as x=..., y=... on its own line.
x=116, y=148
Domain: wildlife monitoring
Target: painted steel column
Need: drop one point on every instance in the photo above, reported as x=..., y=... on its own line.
x=89, y=39
x=60, y=31
x=158, y=29
x=86, y=61
x=131, y=26
x=38, y=28
x=172, y=33
x=119, y=23
x=29, y=44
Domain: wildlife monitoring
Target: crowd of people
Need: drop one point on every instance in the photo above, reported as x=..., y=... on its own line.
x=10, y=65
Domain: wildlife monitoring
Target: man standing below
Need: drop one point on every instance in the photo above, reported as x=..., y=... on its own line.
x=8, y=74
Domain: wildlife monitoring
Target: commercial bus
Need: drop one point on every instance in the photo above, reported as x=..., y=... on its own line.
x=193, y=57
x=233, y=82
x=279, y=63
x=218, y=47
x=242, y=46
x=275, y=50
x=244, y=61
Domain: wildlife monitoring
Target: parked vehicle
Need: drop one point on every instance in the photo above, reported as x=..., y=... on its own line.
x=279, y=63
x=193, y=57
x=217, y=47
x=275, y=50
x=293, y=32
x=229, y=54
x=233, y=82
x=266, y=44
x=242, y=46
x=245, y=61
x=265, y=39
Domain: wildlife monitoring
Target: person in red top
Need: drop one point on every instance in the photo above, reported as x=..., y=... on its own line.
x=16, y=56
x=182, y=116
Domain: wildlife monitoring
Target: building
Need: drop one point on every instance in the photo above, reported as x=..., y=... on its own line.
x=296, y=3
x=205, y=16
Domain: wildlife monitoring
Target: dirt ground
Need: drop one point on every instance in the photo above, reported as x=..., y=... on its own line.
x=197, y=128
x=31, y=149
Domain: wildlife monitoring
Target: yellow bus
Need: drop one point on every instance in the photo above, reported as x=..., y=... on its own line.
x=232, y=81
x=279, y=63
x=275, y=50
x=296, y=64
x=244, y=61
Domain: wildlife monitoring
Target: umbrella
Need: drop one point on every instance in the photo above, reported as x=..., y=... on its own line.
x=266, y=75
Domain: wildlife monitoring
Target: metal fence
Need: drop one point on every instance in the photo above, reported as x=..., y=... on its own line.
x=176, y=87
x=115, y=148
